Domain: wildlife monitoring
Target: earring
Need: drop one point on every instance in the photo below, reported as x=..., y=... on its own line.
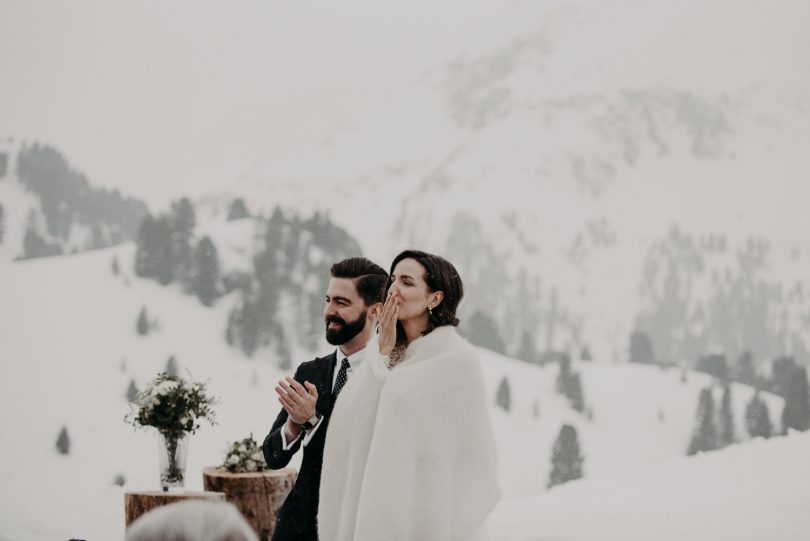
x=430, y=311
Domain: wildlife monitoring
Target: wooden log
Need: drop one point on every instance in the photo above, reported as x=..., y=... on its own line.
x=138, y=503
x=259, y=495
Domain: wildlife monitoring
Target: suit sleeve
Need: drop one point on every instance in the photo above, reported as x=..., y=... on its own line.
x=273, y=449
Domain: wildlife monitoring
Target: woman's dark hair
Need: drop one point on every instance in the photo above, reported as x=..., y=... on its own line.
x=440, y=275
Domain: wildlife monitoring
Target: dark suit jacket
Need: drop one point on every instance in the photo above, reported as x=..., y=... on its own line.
x=296, y=519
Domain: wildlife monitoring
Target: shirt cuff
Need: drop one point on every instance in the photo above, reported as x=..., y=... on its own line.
x=309, y=434
x=285, y=446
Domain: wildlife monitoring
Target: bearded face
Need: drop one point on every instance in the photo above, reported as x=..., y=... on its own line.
x=339, y=331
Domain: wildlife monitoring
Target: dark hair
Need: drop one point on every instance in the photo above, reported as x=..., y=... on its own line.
x=369, y=278
x=440, y=275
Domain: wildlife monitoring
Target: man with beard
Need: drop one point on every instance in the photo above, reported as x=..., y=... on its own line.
x=353, y=306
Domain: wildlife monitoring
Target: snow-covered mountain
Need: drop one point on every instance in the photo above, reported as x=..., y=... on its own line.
x=67, y=363
x=549, y=158
x=49, y=208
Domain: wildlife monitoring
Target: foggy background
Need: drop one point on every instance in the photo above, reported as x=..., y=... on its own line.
x=622, y=185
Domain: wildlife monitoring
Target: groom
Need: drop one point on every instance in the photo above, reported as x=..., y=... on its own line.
x=353, y=305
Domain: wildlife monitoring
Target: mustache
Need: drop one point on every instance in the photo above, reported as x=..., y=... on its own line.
x=334, y=319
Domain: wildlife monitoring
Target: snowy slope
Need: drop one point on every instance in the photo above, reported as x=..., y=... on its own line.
x=69, y=350
x=744, y=493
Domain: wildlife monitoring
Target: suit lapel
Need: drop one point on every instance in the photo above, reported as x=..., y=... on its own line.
x=326, y=374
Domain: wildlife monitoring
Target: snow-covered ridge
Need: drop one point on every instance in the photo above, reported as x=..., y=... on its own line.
x=64, y=370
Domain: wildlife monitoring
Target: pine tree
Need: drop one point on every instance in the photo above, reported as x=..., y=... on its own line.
x=704, y=437
x=171, y=366
x=132, y=391
x=566, y=457
x=796, y=414
x=114, y=266
x=585, y=355
x=725, y=418
x=527, y=351
x=63, y=442
x=641, y=348
x=482, y=331
x=575, y=393
x=758, y=418
x=206, y=272
x=503, y=397
x=142, y=325
x=744, y=370
x=238, y=210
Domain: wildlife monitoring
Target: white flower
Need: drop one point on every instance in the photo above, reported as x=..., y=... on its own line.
x=257, y=456
x=242, y=449
x=250, y=465
x=232, y=460
x=183, y=420
x=166, y=387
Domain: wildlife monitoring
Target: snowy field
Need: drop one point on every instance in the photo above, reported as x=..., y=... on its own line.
x=69, y=351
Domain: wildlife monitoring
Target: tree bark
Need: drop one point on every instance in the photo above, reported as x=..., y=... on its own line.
x=138, y=503
x=259, y=496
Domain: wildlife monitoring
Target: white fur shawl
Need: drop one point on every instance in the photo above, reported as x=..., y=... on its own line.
x=410, y=452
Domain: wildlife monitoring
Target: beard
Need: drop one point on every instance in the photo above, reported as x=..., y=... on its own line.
x=346, y=331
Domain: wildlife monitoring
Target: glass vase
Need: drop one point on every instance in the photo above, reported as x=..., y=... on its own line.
x=172, y=455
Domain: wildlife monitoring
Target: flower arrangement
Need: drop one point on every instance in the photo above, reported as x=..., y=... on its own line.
x=174, y=407
x=245, y=456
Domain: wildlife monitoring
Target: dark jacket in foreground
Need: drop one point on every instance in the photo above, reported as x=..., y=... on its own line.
x=296, y=520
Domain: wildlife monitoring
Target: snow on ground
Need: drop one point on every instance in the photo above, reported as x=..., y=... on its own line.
x=69, y=349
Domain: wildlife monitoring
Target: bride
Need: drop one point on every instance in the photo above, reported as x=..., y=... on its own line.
x=410, y=452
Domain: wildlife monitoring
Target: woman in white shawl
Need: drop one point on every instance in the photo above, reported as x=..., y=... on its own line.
x=410, y=452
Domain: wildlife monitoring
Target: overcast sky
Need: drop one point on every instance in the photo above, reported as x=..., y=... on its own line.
x=167, y=98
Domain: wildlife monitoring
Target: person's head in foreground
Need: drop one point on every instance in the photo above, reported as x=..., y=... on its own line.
x=429, y=290
x=192, y=520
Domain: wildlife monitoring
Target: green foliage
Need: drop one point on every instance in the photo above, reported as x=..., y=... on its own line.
x=526, y=351
x=503, y=397
x=63, y=442
x=66, y=198
x=482, y=331
x=205, y=279
x=171, y=366
x=569, y=383
x=704, y=437
x=132, y=391
x=725, y=418
x=641, y=348
x=566, y=457
x=173, y=406
x=796, y=414
x=238, y=210
x=142, y=324
x=758, y=418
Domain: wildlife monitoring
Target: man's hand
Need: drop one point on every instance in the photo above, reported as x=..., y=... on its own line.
x=388, y=325
x=298, y=400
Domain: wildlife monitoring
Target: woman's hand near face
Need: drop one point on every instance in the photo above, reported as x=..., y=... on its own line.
x=388, y=325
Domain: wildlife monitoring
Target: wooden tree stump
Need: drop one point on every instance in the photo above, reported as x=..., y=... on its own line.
x=138, y=503
x=259, y=496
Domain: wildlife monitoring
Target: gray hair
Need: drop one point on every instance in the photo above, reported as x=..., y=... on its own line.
x=192, y=520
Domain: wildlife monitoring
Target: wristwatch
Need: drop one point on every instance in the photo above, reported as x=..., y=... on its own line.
x=310, y=423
